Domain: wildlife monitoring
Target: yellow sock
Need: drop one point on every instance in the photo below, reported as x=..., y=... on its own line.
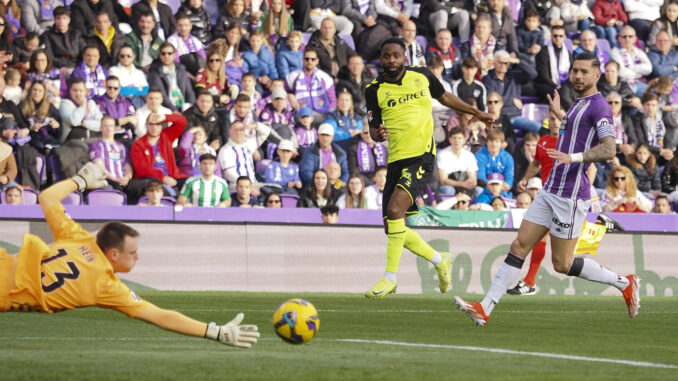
x=394, y=249
x=415, y=244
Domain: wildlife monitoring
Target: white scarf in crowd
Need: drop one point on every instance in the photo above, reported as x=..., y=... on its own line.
x=557, y=73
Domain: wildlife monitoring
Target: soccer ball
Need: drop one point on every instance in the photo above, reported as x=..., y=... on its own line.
x=296, y=321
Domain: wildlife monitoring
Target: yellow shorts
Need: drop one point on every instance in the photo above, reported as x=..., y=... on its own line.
x=6, y=276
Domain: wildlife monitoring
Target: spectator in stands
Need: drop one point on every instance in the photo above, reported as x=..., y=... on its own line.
x=668, y=105
x=243, y=197
x=610, y=82
x=13, y=196
x=200, y=19
x=112, y=156
x=621, y=193
x=463, y=120
x=190, y=51
x=530, y=36
x=319, y=154
x=643, y=165
x=133, y=83
x=85, y=12
x=553, y=64
x=330, y=214
x=234, y=12
x=162, y=15
x=589, y=44
x=670, y=178
x=25, y=46
x=312, y=87
x=662, y=205
x=192, y=145
x=62, y=43
x=493, y=159
x=354, y=196
x=523, y=156
x=242, y=111
x=365, y=155
x=152, y=155
x=144, y=40
x=276, y=23
x=374, y=193
x=625, y=131
x=482, y=44
x=651, y=128
x=493, y=189
x=468, y=85
x=443, y=48
x=273, y=200
x=205, y=189
x=333, y=52
x=236, y=159
x=541, y=163
x=577, y=15
x=38, y=16
x=609, y=17
x=477, y=134
x=634, y=63
x=249, y=88
x=153, y=106
x=92, y=72
x=289, y=58
x=523, y=200
x=441, y=113
x=203, y=113
x=153, y=192
x=80, y=116
x=533, y=186
x=318, y=192
x=276, y=111
x=118, y=107
x=12, y=91
x=508, y=83
x=42, y=117
x=284, y=172
x=667, y=22
x=170, y=77
x=8, y=168
x=344, y=120
x=108, y=38
x=213, y=79
x=415, y=52
x=353, y=78
x=332, y=9
x=260, y=60
x=307, y=135
x=503, y=27
x=641, y=13
x=457, y=166
x=334, y=176
x=664, y=57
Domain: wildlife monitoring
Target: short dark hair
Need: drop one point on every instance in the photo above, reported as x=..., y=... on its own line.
x=647, y=97
x=154, y=89
x=243, y=178
x=167, y=45
x=75, y=81
x=329, y=209
x=612, y=62
x=112, y=235
x=207, y=156
x=181, y=15
x=201, y=91
x=392, y=40
x=457, y=130
x=248, y=75
x=30, y=36
x=148, y=13
x=242, y=98
x=112, y=78
x=531, y=13
x=470, y=62
x=435, y=62
x=311, y=49
x=60, y=11
x=557, y=27
x=153, y=185
x=101, y=13
x=586, y=56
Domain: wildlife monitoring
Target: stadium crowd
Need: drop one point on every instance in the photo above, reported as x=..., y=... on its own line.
x=236, y=103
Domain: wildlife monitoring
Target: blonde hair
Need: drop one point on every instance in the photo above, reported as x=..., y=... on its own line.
x=269, y=21
x=350, y=108
x=631, y=187
x=30, y=109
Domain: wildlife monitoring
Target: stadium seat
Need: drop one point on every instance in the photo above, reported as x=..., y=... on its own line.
x=422, y=41
x=106, y=197
x=674, y=206
x=603, y=45
x=289, y=200
x=262, y=165
x=535, y=111
x=514, y=6
x=54, y=168
x=348, y=39
x=74, y=198
x=166, y=200
x=568, y=44
x=41, y=164
x=444, y=196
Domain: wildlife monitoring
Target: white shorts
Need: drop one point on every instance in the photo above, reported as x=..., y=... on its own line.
x=563, y=216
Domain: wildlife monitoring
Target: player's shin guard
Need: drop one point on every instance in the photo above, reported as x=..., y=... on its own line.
x=535, y=262
x=590, y=270
x=508, y=273
x=417, y=245
x=396, y=241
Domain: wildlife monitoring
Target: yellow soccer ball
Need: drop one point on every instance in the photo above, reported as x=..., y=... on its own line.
x=296, y=321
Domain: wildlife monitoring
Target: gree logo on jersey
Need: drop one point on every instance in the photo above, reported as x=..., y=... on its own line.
x=405, y=98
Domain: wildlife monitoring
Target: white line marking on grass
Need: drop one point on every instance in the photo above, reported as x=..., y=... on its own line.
x=514, y=352
x=620, y=311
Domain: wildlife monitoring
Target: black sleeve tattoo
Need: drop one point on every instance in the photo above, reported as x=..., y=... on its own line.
x=603, y=152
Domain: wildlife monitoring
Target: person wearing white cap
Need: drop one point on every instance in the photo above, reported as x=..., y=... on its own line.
x=534, y=186
x=319, y=154
x=283, y=172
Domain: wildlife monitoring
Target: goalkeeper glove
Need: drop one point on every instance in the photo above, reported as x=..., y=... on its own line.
x=232, y=333
x=91, y=176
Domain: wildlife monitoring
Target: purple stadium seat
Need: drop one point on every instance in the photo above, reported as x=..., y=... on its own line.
x=106, y=197
x=74, y=198
x=603, y=45
x=54, y=168
x=568, y=44
x=262, y=165
x=348, y=39
x=41, y=164
x=535, y=111
x=422, y=41
x=30, y=197
x=289, y=200
x=674, y=206
x=514, y=6
x=166, y=200
x=444, y=196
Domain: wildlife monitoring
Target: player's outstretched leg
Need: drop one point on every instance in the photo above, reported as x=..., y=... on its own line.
x=394, y=249
x=527, y=285
x=441, y=261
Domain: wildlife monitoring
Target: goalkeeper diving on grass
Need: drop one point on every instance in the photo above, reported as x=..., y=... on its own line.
x=78, y=270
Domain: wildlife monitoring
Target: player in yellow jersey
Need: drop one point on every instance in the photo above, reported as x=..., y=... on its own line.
x=77, y=270
x=399, y=108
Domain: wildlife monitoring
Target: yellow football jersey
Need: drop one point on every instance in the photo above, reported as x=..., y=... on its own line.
x=73, y=272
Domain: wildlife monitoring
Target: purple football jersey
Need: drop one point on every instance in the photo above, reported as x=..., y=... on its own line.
x=587, y=121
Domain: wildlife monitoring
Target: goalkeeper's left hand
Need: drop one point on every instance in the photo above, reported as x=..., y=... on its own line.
x=90, y=176
x=232, y=333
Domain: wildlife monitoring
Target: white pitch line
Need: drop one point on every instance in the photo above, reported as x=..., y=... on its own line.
x=513, y=352
x=621, y=311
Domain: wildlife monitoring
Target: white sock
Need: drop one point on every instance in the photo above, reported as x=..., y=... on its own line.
x=594, y=272
x=437, y=259
x=506, y=276
x=391, y=277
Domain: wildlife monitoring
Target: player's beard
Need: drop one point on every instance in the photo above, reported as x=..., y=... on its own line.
x=393, y=75
x=585, y=89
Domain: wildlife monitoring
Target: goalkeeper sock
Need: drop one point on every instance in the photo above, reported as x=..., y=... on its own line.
x=437, y=259
x=590, y=270
x=415, y=244
x=389, y=276
x=535, y=261
x=508, y=273
x=394, y=248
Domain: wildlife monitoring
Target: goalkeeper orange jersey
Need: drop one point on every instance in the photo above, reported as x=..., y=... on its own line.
x=73, y=272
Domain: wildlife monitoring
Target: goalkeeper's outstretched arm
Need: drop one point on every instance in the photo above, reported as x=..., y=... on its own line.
x=232, y=333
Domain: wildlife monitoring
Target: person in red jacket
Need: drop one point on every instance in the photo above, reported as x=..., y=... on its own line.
x=152, y=155
x=610, y=17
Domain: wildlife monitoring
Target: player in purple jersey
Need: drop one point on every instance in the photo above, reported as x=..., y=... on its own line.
x=561, y=207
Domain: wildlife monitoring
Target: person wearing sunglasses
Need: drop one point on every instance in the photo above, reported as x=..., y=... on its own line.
x=118, y=107
x=273, y=200
x=622, y=194
x=623, y=125
x=610, y=82
x=133, y=81
x=633, y=62
x=312, y=80
x=172, y=79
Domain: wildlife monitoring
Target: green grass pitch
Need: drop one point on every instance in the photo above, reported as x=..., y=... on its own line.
x=400, y=337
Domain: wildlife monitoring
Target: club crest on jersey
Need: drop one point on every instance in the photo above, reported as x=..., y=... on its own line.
x=418, y=82
x=582, y=104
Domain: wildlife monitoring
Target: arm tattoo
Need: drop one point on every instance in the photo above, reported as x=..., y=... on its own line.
x=602, y=152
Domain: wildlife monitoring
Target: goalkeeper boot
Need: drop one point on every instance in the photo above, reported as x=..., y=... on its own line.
x=443, y=270
x=473, y=310
x=631, y=295
x=382, y=288
x=522, y=288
